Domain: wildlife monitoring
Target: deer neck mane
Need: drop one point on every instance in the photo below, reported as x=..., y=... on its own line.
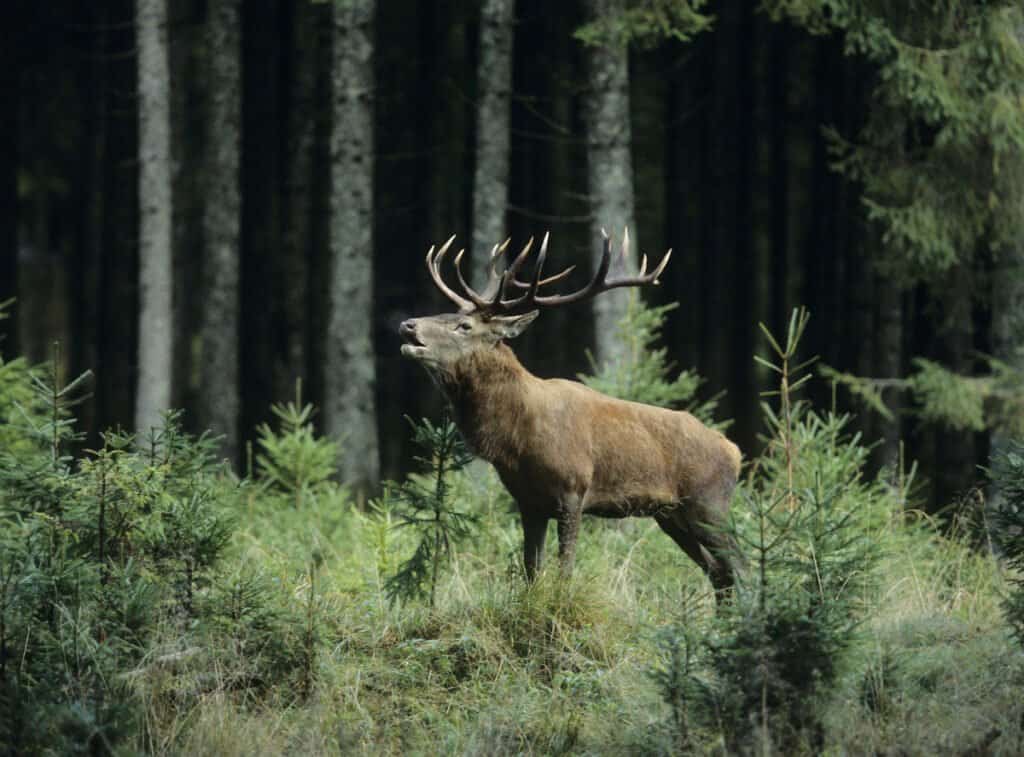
x=489, y=391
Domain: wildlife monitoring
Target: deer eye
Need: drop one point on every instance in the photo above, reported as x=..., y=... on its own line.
x=465, y=326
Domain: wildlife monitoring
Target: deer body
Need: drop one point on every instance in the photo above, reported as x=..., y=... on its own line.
x=563, y=450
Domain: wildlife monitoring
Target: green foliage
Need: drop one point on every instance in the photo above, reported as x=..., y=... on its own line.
x=944, y=128
x=968, y=403
x=644, y=373
x=648, y=22
x=294, y=462
x=425, y=506
x=856, y=627
x=804, y=520
x=96, y=554
x=1008, y=474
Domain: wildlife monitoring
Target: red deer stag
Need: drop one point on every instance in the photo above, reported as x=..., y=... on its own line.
x=561, y=448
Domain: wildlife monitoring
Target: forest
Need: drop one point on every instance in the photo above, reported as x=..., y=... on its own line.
x=235, y=520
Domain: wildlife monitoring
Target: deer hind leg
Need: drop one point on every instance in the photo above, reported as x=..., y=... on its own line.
x=706, y=544
x=535, y=531
x=570, y=512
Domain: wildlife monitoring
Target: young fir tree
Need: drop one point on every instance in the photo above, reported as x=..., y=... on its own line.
x=294, y=462
x=806, y=520
x=98, y=553
x=425, y=505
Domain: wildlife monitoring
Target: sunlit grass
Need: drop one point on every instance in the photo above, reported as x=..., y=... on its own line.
x=500, y=667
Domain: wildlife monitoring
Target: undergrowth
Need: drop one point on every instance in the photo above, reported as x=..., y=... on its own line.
x=151, y=600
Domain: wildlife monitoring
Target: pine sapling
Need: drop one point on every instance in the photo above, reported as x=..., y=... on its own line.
x=425, y=505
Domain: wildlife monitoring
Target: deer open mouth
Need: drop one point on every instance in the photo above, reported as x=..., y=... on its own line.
x=413, y=347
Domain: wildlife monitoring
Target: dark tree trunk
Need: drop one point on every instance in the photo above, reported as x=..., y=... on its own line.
x=219, y=330
x=261, y=217
x=494, y=86
x=118, y=277
x=746, y=271
x=303, y=61
x=889, y=363
x=10, y=81
x=350, y=414
x=781, y=39
x=93, y=85
x=955, y=461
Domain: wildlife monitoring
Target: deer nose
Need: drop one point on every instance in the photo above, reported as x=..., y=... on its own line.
x=407, y=328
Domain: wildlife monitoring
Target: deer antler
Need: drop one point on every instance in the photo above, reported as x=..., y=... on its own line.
x=495, y=300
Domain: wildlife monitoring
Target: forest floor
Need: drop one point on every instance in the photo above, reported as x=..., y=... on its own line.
x=498, y=667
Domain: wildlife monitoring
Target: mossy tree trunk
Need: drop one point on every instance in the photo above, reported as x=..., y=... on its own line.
x=156, y=274
x=609, y=169
x=494, y=85
x=349, y=403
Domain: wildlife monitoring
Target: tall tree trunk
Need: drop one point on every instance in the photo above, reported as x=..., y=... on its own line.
x=262, y=171
x=219, y=363
x=494, y=84
x=302, y=59
x=10, y=80
x=955, y=449
x=350, y=408
x=889, y=363
x=1008, y=295
x=746, y=271
x=779, y=83
x=610, y=169
x=156, y=274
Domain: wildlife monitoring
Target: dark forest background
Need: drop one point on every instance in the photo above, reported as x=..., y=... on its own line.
x=733, y=167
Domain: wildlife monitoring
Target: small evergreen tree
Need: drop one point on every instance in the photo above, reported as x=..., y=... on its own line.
x=644, y=372
x=295, y=462
x=424, y=503
x=97, y=552
x=805, y=521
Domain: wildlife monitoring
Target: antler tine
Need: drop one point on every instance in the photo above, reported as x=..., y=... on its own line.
x=510, y=274
x=494, y=299
x=480, y=301
x=600, y=282
x=544, y=282
x=434, y=267
x=539, y=268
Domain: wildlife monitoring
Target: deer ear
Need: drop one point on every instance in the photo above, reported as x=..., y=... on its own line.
x=511, y=326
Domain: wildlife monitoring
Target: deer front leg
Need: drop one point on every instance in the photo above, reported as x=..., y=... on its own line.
x=535, y=530
x=570, y=513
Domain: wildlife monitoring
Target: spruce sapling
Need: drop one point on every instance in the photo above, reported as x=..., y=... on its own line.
x=425, y=504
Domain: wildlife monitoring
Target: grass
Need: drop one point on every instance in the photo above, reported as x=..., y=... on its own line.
x=499, y=667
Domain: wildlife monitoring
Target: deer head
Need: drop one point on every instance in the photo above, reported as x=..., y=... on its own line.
x=507, y=304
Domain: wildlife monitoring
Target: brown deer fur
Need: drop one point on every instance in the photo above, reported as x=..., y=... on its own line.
x=563, y=449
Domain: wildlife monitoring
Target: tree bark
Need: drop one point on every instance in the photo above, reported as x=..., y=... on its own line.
x=10, y=80
x=350, y=409
x=494, y=85
x=303, y=58
x=219, y=364
x=156, y=275
x=889, y=362
x=1008, y=297
x=609, y=170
